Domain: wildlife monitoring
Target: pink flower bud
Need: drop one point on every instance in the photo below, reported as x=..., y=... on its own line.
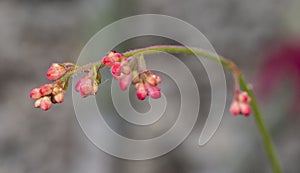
x=45, y=103
x=125, y=82
x=85, y=86
x=244, y=97
x=150, y=79
x=80, y=82
x=55, y=71
x=35, y=93
x=153, y=91
x=111, y=54
x=59, y=98
x=235, y=108
x=116, y=69
x=117, y=57
x=107, y=61
x=46, y=89
x=140, y=91
x=245, y=109
x=112, y=57
x=57, y=89
x=37, y=103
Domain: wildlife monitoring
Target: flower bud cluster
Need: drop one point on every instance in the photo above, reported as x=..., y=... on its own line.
x=119, y=68
x=122, y=69
x=240, y=104
x=146, y=84
x=126, y=70
x=49, y=94
x=46, y=95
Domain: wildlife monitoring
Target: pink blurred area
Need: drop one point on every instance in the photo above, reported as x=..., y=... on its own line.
x=281, y=65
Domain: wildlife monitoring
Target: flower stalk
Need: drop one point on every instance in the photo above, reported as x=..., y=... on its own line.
x=272, y=155
x=127, y=68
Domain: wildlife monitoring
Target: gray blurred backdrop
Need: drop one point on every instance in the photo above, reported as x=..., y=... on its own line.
x=34, y=33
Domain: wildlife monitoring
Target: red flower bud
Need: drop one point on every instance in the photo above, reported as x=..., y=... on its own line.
x=46, y=89
x=112, y=57
x=35, y=93
x=107, y=61
x=245, y=109
x=117, y=57
x=140, y=91
x=79, y=83
x=153, y=91
x=244, y=97
x=235, y=108
x=86, y=88
x=45, y=103
x=55, y=71
x=116, y=69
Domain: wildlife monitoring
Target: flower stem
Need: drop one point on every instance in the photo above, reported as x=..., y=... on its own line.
x=181, y=49
x=238, y=75
x=262, y=128
x=205, y=54
x=79, y=69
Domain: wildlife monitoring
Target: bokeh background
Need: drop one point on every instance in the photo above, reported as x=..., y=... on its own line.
x=261, y=36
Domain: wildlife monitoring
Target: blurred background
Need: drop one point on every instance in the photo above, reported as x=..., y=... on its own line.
x=261, y=36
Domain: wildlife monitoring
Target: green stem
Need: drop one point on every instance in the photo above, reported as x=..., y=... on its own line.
x=262, y=128
x=184, y=50
x=79, y=69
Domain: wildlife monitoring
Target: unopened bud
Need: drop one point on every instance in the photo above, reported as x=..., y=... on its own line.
x=59, y=98
x=55, y=71
x=235, y=108
x=153, y=91
x=45, y=103
x=107, y=61
x=245, y=109
x=150, y=79
x=116, y=69
x=57, y=89
x=46, y=89
x=141, y=91
x=37, y=103
x=244, y=97
x=35, y=93
x=85, y=86
x=117, y=57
